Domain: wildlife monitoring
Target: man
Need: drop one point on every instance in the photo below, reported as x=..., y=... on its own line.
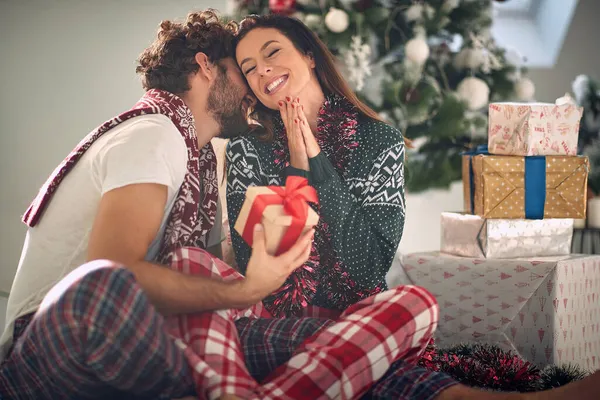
x=141, y=188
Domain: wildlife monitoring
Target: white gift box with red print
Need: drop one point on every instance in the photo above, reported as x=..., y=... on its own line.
x=531, y=129
x=547, y=309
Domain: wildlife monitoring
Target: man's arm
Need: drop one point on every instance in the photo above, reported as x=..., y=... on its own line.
x=126, y=223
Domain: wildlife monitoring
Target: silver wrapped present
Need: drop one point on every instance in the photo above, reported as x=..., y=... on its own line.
x=472, y=236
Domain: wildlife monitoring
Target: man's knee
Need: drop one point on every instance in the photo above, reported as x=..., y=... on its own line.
x=416, y=301
x=90, y=282
x=423, y=294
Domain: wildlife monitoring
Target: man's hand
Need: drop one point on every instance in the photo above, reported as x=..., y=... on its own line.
x=266, y=273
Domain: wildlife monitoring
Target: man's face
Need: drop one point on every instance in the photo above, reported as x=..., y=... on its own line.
x=229, y=99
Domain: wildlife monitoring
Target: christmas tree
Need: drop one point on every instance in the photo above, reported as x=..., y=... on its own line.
x=587, y=95
x=429, y=67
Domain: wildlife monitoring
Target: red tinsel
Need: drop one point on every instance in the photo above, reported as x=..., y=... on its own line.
x=297, y=292
x=483, y=366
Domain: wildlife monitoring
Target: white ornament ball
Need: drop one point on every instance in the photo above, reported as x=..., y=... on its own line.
x=469, y=58
x=581, y=88
x=299, y=15
x=414, y=12
x=450, y=5
x=474, y=92
x=417, y=50
x=337, y=20
x=313, y=21
x=525, y=89
x=474, y=58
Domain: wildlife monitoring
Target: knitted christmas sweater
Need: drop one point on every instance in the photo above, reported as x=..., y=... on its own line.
x=359, y=178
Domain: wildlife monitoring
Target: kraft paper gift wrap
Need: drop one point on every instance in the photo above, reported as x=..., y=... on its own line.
x=509, y=187
x=531, y=129
x=283, y=211
x=547, y=308
x=472, y=236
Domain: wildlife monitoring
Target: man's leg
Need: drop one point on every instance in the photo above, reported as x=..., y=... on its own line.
x=269, y=343
x=96, y=335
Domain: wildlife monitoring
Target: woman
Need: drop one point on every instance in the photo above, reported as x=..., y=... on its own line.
x=316, y=127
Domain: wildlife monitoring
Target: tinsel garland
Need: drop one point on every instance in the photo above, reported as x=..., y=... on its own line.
x=297, y=291
x=336, y=130
x=489, y=367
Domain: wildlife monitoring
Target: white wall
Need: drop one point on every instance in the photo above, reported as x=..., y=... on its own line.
x=2, y=312
x=579, y=54
x=68, y=65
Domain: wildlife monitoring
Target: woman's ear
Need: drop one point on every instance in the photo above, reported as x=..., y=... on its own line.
x=311, y=60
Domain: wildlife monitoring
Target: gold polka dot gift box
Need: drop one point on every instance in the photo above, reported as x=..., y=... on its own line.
x=537, y=187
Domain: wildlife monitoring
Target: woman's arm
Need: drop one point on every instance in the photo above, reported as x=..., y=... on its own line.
x=365, y=229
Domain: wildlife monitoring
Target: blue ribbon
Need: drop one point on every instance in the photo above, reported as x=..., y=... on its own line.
x=535, y=187
x=535, y=183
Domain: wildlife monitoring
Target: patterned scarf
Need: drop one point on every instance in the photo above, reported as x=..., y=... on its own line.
x=193, y=214
x=324, y=272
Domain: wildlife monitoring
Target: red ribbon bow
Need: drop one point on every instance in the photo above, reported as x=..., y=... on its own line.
x=294, y=197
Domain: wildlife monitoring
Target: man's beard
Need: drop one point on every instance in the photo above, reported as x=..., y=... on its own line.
x=225, y=105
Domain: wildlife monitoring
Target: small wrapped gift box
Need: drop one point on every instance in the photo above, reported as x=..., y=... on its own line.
x=531, y=129
x=284, y=213
x=545, y=308
x=472, y=236
x=509, y=187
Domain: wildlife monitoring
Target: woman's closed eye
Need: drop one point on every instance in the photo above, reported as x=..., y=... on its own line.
x=271, y=54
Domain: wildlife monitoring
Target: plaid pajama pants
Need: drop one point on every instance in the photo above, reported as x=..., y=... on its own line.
x=97, y=336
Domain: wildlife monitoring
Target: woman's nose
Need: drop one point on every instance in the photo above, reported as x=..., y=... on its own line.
x=265, y=70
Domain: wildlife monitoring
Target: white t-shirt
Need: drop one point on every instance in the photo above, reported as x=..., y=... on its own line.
x=144, y=149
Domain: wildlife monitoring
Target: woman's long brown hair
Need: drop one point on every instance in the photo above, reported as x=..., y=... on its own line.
x=305, y=41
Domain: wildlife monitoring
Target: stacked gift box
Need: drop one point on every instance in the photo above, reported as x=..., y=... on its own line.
x=525, y=188
x=505, y=274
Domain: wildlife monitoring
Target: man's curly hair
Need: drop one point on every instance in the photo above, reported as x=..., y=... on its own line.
x=169, y=61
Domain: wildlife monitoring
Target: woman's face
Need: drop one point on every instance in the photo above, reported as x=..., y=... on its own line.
x=273, y=67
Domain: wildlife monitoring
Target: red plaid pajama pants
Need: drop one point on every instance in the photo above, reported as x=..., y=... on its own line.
x=68, y=351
